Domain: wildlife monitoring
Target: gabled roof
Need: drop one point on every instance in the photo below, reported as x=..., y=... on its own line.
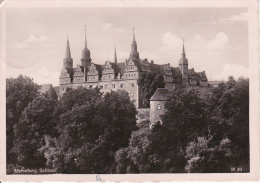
x=160, y=94
x=45, y=88
x=57, y=90
x=121, y=68
x=48, y=88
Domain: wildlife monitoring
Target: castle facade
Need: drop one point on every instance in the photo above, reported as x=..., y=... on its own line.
x=124, y=75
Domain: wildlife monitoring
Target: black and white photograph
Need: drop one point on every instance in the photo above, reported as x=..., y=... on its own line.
x=124, y=89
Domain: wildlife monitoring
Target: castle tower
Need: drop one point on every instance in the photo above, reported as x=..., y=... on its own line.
x=157, y=102
x=68, y=61
x=115, y=58
x=183, y=66
x=85, y=58
x=134, y=53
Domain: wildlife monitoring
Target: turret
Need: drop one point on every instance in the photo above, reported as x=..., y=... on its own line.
x=115, y=58
x=68, y=61
x=85, y=57
x=183, y=66
x=134, y=53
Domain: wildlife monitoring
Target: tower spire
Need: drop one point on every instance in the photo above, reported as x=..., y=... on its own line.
x=115, y=59
x=133, y=33
x=85, y=36
x=134, y=53
x=183, y=49
x=68, y=61
x=67, y=54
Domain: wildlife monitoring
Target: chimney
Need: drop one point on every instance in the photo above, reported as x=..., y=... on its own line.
x=151, y=61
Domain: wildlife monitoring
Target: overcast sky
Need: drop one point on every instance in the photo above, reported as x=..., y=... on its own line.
x=216, y=39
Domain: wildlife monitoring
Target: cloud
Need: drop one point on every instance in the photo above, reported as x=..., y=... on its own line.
x=107, y=26
x=234, y=18
x=211, y=55
x=219, y=42
x=232, y=69
x=171, y=42
x=40, y=76
x=31, y=42
x=46, y=76
x=110, y=26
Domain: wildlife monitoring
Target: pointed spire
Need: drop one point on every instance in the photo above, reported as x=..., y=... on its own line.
x=85, y=36
x=133, y=34
x=183, y=49
x=115, y=59
x=67, y=54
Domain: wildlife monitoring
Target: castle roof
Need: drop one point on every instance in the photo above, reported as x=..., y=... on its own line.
x=85, y=51
x=160, y=94
x=191, y=73
x=183, y=60
x=67, y=53
x=48, y=88
x=57, y=90
x=121, y=67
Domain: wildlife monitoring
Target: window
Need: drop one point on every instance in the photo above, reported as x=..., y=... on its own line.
x=101, y=86
x=159, y=107
x=105, y=86
x=90, y=86
x=113, y=86
x=132, y=85
x=121, y=85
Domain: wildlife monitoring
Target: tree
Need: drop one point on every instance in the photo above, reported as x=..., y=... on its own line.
x=233, y=111
x=35, y=122
x=204, y=159
x=148, y=83
x=92, y=128
x=186, y=115
x=135, y=158
x=19, y=93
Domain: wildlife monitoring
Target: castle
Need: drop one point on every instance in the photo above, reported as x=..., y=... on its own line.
x=124, y=75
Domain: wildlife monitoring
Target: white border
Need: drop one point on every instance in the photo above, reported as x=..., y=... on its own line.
x=252, y=6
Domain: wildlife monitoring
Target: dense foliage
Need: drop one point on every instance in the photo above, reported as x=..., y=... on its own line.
x=19, y=93
x=90, y=130
x=34, y=123
x=86, y=131
x=202, y=131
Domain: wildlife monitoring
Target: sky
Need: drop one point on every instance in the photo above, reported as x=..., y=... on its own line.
x=216, y=39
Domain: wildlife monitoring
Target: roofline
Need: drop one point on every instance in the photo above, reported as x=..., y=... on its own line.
x=157, y=100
